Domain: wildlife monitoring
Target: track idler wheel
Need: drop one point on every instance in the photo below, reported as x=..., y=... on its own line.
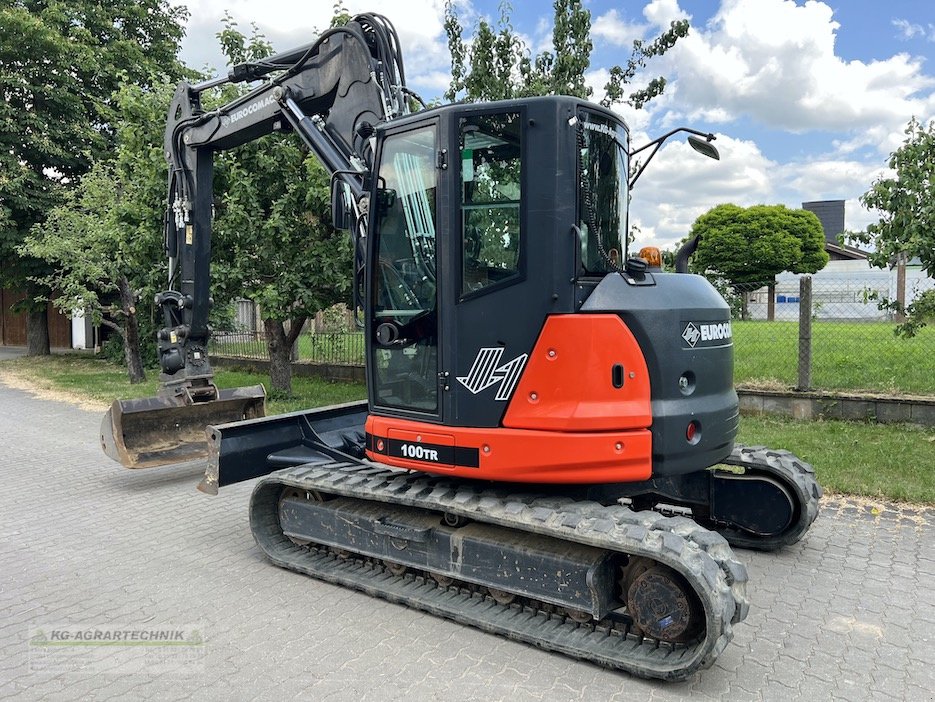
x=501, y=597
x=395, y=568
x=442, y=580
x=663, y=606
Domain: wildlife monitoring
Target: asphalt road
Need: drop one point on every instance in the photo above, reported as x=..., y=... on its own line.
x=85, y=545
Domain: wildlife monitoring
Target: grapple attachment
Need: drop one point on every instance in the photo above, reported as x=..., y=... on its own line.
x=158, y=431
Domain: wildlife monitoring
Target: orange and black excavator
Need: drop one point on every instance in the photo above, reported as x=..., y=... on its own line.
x=547, y=451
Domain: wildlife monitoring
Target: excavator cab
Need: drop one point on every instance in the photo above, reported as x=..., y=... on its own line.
x=510, y=335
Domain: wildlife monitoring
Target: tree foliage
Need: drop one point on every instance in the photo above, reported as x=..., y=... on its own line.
x=104, y=243
x=745, y=248
x=497, y=65
x=753, y=244
x=905, y=201
x=60, y=65
x=274, y=243
x=917, y=314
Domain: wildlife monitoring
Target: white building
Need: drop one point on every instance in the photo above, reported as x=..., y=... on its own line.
x=841, y=291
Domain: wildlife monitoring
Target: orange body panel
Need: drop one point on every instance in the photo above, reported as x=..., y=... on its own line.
x=567, y=422
x=567, y=384
x=512, y=455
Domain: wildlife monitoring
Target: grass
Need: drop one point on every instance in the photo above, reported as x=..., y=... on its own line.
x=102, y=382
x=845, y=356
x=853, y=356
x=888, y=461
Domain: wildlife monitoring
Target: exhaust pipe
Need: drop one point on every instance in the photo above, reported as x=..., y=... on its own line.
x=685, y=250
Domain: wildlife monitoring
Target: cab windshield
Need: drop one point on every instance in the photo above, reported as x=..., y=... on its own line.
x=602, y=193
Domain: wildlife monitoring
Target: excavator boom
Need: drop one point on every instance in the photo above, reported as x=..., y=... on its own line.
x=331, y=93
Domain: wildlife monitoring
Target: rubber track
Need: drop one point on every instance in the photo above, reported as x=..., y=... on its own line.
x=795, y=473
x=703, y=557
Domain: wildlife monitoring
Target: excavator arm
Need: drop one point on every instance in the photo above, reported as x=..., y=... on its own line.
x=331, y=93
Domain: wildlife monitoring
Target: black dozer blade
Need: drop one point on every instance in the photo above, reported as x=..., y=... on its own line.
x=255, y=447
x=157, y=431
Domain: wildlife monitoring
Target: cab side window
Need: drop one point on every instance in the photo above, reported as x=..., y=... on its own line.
x=405, y=370
x=491, y=191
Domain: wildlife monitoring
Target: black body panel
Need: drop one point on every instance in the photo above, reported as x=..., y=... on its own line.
x=658, y=315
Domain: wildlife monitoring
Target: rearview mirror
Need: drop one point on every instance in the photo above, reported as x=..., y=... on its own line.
x=340, y=205
x=386, y=198
x=704, y=147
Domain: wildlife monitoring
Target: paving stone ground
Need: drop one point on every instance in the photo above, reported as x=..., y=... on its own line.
x=849, y=613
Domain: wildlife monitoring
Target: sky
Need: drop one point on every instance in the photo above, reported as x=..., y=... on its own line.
x=807, y=99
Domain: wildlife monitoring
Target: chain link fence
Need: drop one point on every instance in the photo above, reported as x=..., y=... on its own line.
x=809, y=333
x=800, y=333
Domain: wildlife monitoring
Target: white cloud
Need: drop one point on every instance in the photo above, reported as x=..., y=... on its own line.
x=541, y=38
x=771, y=63
x=774, y=61
x=908, y=30
x=680, y=185
x=434, y=83
x=615, y=30
x=827, y=178
x=662, y=13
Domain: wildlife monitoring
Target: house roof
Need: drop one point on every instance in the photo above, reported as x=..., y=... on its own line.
x=844, y=251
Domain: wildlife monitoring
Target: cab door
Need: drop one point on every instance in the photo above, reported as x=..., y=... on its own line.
x=403, y=324
x=496, y=312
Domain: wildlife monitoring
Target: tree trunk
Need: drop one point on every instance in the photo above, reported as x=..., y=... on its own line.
x=37, y=324
x=37, y=332
x=901, y=287
x=280, y=361
x=131, y=333
x=279, y=343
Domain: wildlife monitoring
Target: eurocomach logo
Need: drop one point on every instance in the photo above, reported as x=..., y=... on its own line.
x=248, y=110
x=715, y=332
x=695, y=333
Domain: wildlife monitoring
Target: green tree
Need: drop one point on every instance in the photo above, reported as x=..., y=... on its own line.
x=60, y=65
x=274, y=241
x=496, y=64
x=274, y=220
x=104, y=243
x=905, y=202
x=748, y=247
